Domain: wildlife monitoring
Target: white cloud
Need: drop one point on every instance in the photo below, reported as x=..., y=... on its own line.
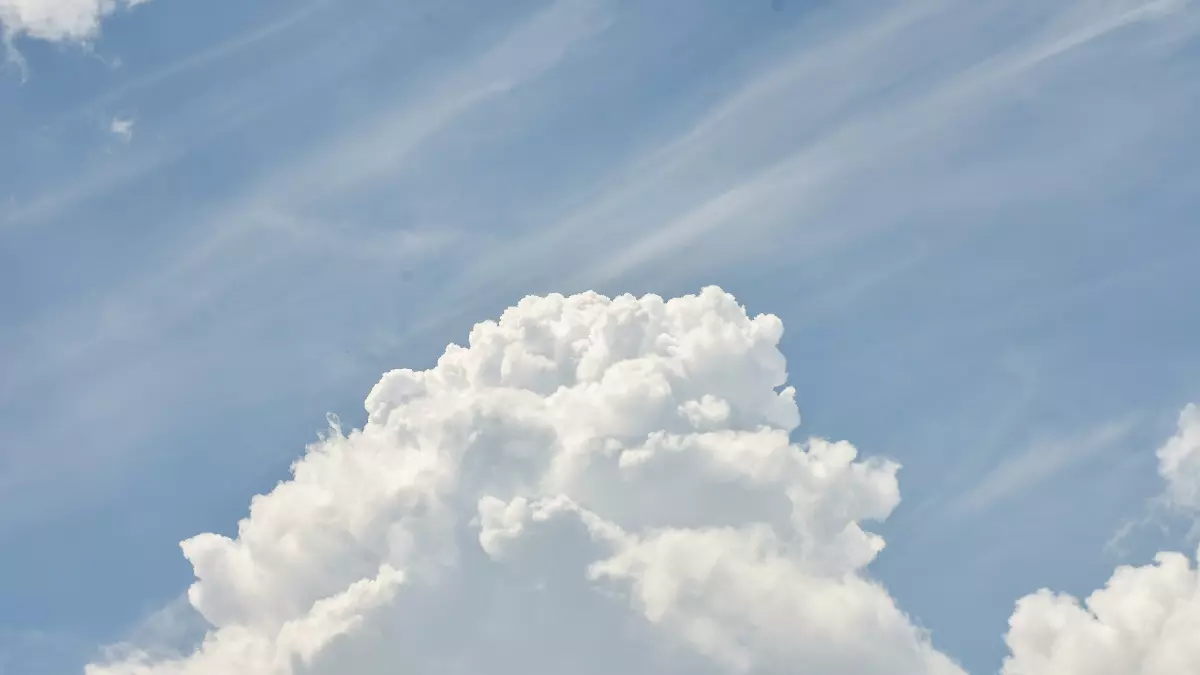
x=122, y=127
x=591, y=485
x=1144, y=622
x=58, y=20
x=1179, y=461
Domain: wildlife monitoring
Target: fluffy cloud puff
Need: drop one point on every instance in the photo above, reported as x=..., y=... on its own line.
x=592, y=485
x=57, y=20
x=1146, y=621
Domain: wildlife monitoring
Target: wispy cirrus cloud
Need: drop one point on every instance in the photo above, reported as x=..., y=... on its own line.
x=778, y=155
x=747, y=166
x=273, y=228
x=1033, y=466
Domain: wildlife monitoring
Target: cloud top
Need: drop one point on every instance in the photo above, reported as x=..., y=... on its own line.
x=590, y=484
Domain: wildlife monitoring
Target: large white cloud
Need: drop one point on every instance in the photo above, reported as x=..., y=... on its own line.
x=57, y=20
x=591, y=486
x=1146, y=621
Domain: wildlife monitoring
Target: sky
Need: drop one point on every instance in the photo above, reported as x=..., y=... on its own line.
x=965, y=233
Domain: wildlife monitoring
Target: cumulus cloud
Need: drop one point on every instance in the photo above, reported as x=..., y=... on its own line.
x=591, y=485
x=58, y=20
x=1144, y=622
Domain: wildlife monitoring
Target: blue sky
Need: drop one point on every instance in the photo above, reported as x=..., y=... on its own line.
x=219, y=221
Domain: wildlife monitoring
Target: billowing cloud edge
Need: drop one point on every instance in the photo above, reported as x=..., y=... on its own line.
x=589, y=482
x=616, y=463
x=1146, y=619
x=76, y=21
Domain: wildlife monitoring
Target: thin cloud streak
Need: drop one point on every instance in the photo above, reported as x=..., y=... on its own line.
x=217, y=256
x=1039, y=463
x=651, y=199
x=826, y=159
x=209, y=116
x=262, y=233
x=784, y=190
x=207, y=57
